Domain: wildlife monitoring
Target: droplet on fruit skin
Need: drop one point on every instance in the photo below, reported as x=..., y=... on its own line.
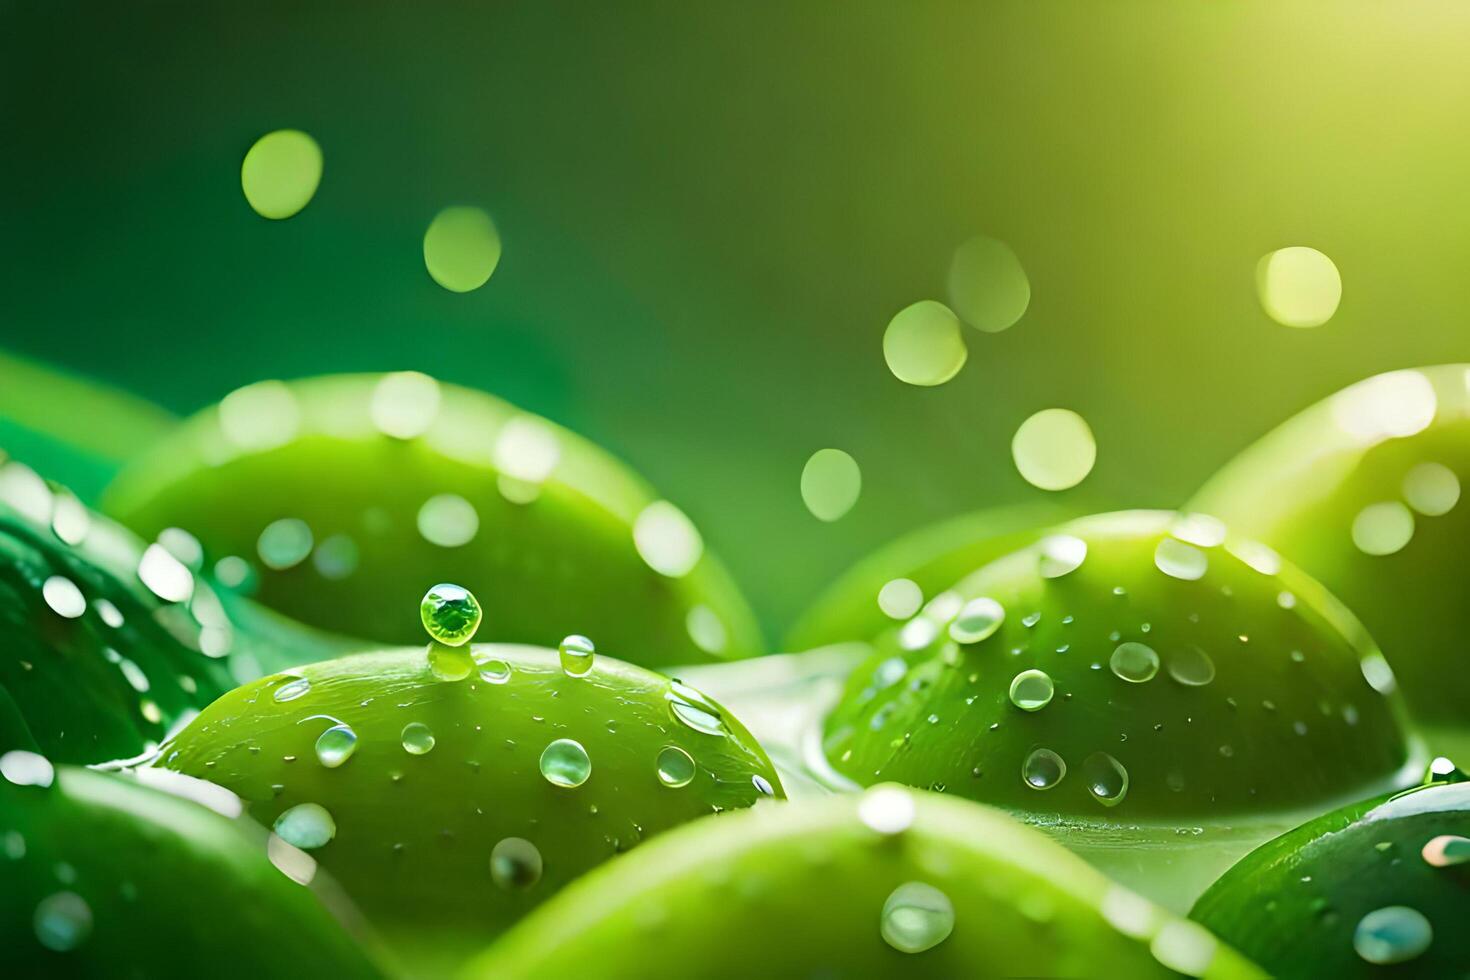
x=576, y=654
x=1393, y=934
x=336, y=745
x=1134, y=662
x=450, y=614
x=1191, y=666
x=1106, y=778
x=293, y=688
x=1032, y=690
x=1043, y=769
x=1179, y=560
x=417, y=738
x=916, y=917
x=1060, y=554
x=565, y=763
x=675, y=767
x=306, y=825
x=977, y=620
x=515, y=864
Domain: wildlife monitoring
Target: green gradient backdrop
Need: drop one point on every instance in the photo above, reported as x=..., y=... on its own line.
x=710, y=211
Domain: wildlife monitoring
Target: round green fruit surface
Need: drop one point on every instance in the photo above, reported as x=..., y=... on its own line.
x=453, y=789
x=1362, y=490
x=1380, y=888
x=114, y=875
x=353, y=494
x=892, y=883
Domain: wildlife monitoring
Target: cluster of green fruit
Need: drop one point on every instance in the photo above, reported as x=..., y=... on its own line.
x=1129, y=744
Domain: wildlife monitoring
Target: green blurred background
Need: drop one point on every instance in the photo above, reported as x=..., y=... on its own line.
x=710, y=212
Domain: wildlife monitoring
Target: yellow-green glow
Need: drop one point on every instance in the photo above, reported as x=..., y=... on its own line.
x=281, y=172
x=1432, y=489
x=987, y=286
x=830, y=484
x=461, y=248
x=923, y=344
x=1054, y=449
x=1383, y=528
x=1298, y=286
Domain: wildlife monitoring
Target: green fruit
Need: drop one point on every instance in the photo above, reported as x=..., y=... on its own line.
x=393, y=483
x=1382, y=882
x=115, y=875
x=1362, y=490
x=894, y=883
x=1116, y=673
x=932, y=558
x=454, y=789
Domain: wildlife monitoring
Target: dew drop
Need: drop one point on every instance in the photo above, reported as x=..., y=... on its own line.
x=1043, y=769
x=1032, y=690
x=1061, y=554
x=62, y=921
x=63, y=596
x=417, y=738
x=887, y=809
x=1191, y=667
x=917, y=917
x=693, y=709
x=565, y=763
x=22, y=768
x=450, y=614
x=1134, y=662
x=576, y=653
x=1106, y=778
x=294, y=688
x=494, y=671
x=306, y=825
x=675, y=767
x=978, y=619
x=1179, y=560
x=1393, y=934
x=515, y=864
x=336, y=745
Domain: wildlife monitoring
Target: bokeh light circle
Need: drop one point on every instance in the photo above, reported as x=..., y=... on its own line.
x=1298, y=286
x=461, y=248
x=988, y=287
x=830, y=484
x=923, y=344
x=281, y=172
x=1054, y=449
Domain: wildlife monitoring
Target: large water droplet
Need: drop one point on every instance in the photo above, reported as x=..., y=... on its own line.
x=1032, y=690
x=63, y=921
x=887, y=809
x=1061, y=554
x=917, y=917
x=924, y=344
x=336, y=745
x=1134, y=662
x=675, y=767
x=450, y=614
x=1191, y=666
x=1447, y=850
x=63, y=596
x=1106, y=778
x=1179, y=560
x=565, y=763
x=515, y=864
x=693, y=709
x=978, y=619
x=306, y=825
x=1394, y=934
x=1043, y=769
x=22, y=768
x=494, y=671
x=417, y=738
x=294, y=688
x=576, y=653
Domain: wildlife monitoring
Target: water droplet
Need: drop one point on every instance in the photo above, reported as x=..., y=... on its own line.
x=576, y=654
x=987, y=284
x=1061, y=554
x=1134, y=662
x=449, y=663
x=1383, y=528
x=63, y=921
x=887, y=809
x=417, y=738
x=306, y=825
x=762, y=785
x=900, y=598
x=977, y=620
x=22, y=768
x=1432, y=489
x=923, y=344
x=830, y=484
x=448, y=520
x=1054, y=449
x=917, y=917
x=494, y=671
x=63, y=596
x=565, y=763
x=1106, y=778
x=294, y=688
x=1043, y=769
x=1191, y=667
x=1032, y=690
x=1394, y=934
x=1298, y=286
x=1447, y=850
x=70, y=519
x=666, y=540
x=692, y=708
x=108, y=612
x=281, y=172
x=675, y=767
x=450, y=614
x=461, y=248
x=1179, y=560
x=284, y=543
x=336, y=745
x=515, y=864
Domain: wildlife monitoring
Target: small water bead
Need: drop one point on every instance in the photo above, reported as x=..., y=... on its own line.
x=900, y=598
x=916, y=917
x=284, y=543
x=515, y=864
x=494, y=671
x=1134, y=662
x=294, y=688
x=1191, y=667
x=1179, y=560
x=1432, y=489
x=280, y=173
x=336, y=745
x=63, y=596
x=831, y=482
x=1383, y=528
x=1043, y=769
x=691, y=708
x=1446, y=851
x=565, y=763
x=1032, y=690
x=451, y=614
x=1106, y=778
x=762, y=785
x=675, y=767
x=306, y=825
x=1298, y=286
x=978, y=619
x=1054, y=449
x=923, y=344
x=22, y=768
x=576, y=653
x=1060, y=554
x=417, y=738
x=1393, y=934
x=887, y=809
x=62, y=921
